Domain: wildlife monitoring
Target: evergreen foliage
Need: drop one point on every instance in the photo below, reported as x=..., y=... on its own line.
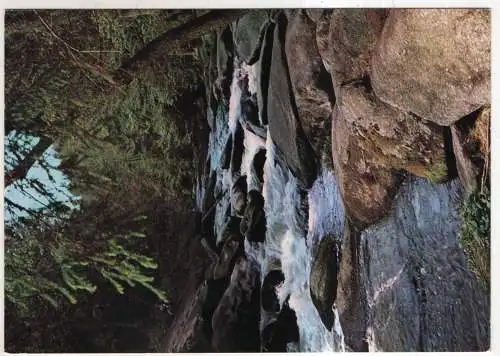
x=127, y=151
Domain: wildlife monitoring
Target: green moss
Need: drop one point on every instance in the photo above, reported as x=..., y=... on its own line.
x=437, y=173
x=475, y=234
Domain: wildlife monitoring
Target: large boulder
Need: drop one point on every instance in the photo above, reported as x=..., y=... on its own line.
x=311, y=83
x=323, y=279
x=353, y=36
x=284, y=124
x=322, y=19
x=235, y=322
x=248, y=34
x=434, y=63
x=372, y=143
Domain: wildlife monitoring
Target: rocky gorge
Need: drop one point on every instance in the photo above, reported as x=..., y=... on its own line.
x=340, y=150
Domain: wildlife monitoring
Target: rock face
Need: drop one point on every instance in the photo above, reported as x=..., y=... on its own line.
x=372, y=142
x=418, y=293
x=236, y=320
x=434, y=62
x=248, y=34
x=353, y=35
x=470, y=137
x=225, y=62
x=263, y=67
x=311, y=83
x=189, y=334
x=391, y=84
x=284, y=124
x=351, y=295
x=323, y=279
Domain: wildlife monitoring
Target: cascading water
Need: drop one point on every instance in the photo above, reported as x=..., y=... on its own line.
x=291, y=239
x=287, y=242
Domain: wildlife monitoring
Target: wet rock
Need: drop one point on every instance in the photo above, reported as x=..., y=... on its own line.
x=263, y=67
x=270, y=302
x=283, y=331
x=323, y=279
x=209, y=196
x=249, y=111
x=186, y=334
x=258, y=164
x=311, y=83
x=253, y=224
x=372, y=142
x=225, y=159
x=248, y=34
x=250, y=117
x=231, y=248
x=420, y=295
x=471, y=147
x=235, y=322
x=214, y=290
x=434, y=62
x=239, y=197
x=225, y=61
x=284, y=124
x=353, y=35
x=230, y=228
x=351, y=294
x=238, y=149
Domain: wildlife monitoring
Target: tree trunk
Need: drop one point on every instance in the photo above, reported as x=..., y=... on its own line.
x=174, y=39
x=22, y=168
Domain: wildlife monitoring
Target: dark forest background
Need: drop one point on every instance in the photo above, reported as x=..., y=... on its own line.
x=119, y=96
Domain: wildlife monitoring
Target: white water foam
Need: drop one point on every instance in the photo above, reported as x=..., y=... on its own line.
x=287, y=245
x=253, y=144
x=286, y=241
x=235, y=99
x=251, y=71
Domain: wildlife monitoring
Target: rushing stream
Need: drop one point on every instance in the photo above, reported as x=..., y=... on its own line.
x=295, y=222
